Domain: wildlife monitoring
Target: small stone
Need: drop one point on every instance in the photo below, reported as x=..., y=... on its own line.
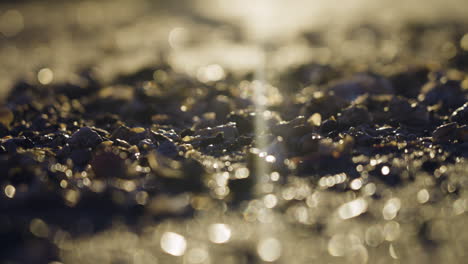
x=408, y=83
x=3, y=130
x=85, y=137
x=401, y=110
x=448, y=93
x=328, y=125
x=122, y=132
x=244, y=121
x=361, y=84
x=206, y=141
x=122, y=143
x=445, y=133
x=146, y=144
x=354, y=116
x=460, y=115
x=168, y=148
x=107, y=164
x=326, y=105
x=462, y=133
x=295, y=127
x=309, y=143
x=222, y=106
x=228, y=130
x=80, y=157
x=12, y=144
x=6, y=116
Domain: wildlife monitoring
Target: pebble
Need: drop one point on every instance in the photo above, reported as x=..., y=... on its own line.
x=408, y=83
x=309, y=143
x=360, y=84
x=228, y=130
x=401, y=110
x=107, y=164
x=244, y=121
x=460, y=115
x=445, y=133
x=462, y=133
x=354, y=116
x=80, y=157
x=449, y=94
x=85, y=137
x=168, y=149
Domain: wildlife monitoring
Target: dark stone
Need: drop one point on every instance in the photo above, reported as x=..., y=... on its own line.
x=328, y=125
x=80, y=157
x=402, y=111
x=462, y=133
x=3, y=130
x=460, y=115
x=445, y=133
x=360, y=84
x=309, y=143
x=354, y=116
x=186, y=132
x=168, y=148
x=122, y=143
x=206, y=141
x=408, y=83
x=85, y=137
x=107, y=164
x=449, y=93
x=244, y=121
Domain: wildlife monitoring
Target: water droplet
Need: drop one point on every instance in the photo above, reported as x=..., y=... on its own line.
x=197, y=255
x=274, y=176
x=374, y=236
x=45, y=76
x=177, y=37
x=270, y=200
x=219, y=233
x=352, y=209
x=337, y=245
x=464, y=42
x=391, y=208
x=392, y=252
x=269, y=249
x=242, y=173
x=173, y=243
x=39, y=228
x=385, y=170
x=391, y=231
x=11, y=23
x=423, y=196
x=356, y=184
x=210, y=73
x=10, y=191
x=270, y=159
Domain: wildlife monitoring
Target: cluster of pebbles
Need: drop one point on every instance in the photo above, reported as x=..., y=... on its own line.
x=364, y=166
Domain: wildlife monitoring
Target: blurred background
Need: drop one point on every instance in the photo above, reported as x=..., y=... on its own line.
x=121, y=36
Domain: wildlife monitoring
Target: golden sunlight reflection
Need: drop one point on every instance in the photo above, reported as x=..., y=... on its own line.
x=269, y=249
x=219, y=233
x=391, y=208
x=10, y=191
x=173, y=243
x=11, y=23
x=352, y=209
x=45, y=76
x=197, y=255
